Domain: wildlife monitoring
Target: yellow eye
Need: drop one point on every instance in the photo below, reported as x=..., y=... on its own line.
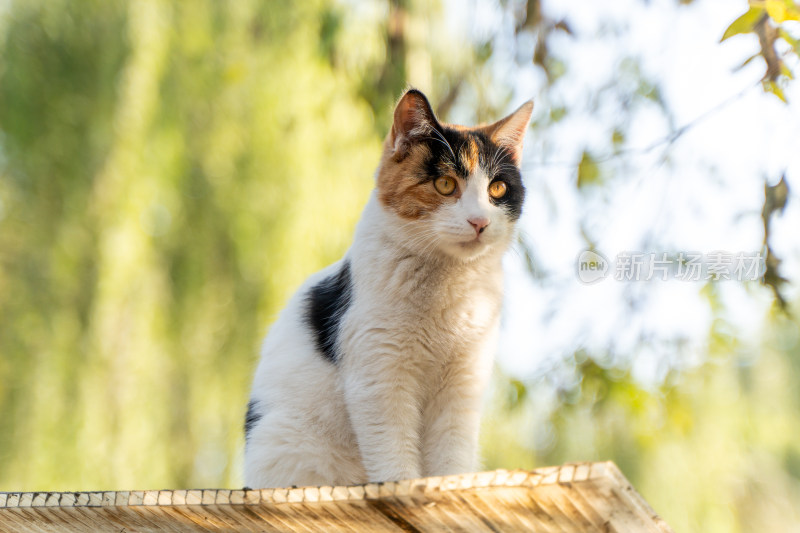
x=498, y=189
x=445, y=185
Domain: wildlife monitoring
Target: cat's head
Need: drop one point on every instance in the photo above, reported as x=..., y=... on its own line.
x=455, y=190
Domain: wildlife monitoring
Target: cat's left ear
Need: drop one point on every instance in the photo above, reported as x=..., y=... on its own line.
x=510, y=131
x=413, y=120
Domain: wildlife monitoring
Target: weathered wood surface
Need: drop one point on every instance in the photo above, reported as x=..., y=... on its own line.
x=571, y=498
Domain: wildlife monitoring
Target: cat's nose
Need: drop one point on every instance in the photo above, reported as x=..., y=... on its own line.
x=478, y=223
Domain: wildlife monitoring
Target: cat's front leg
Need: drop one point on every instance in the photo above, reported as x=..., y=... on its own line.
x=451, y=420
x=382, y=397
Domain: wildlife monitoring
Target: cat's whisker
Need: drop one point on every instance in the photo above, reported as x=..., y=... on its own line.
x=445, y=143
x=441, y=142
x=499, y=161
x=413, y=242
x=503, y=165
x=493, y=165
x=426, y=239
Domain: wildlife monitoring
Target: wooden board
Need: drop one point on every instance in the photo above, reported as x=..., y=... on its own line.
x=570, y=498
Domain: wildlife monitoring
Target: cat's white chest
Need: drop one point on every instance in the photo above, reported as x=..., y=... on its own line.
x=431, y=315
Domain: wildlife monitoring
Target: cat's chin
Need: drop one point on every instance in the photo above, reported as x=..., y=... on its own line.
x=467, y=250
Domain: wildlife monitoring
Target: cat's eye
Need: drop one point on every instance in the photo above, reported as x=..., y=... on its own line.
x=498, y=189
x=445, y=185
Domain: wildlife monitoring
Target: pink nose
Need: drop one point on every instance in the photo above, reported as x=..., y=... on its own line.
x=479, y=223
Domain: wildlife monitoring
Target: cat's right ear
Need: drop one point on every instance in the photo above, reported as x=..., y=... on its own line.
x=510, y=131
x=413, y=119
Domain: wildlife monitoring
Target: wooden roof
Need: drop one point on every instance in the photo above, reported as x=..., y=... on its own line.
x=570, y=498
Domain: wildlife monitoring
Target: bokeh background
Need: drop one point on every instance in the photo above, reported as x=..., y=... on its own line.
x=171, y=171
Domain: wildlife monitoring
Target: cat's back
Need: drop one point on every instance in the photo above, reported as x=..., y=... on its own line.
x=296, y=405
x=294, y=383
x=301, y=334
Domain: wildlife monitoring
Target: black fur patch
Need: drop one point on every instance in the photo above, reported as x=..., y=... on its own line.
x=512, y=200
x=251, y=418
x=327, y=302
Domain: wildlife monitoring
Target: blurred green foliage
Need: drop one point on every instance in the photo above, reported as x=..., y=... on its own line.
x=171, y=171
x=772, y=22
x=714, y=449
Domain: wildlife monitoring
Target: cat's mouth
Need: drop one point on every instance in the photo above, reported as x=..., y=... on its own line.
x=471, y=249
x=474, y=243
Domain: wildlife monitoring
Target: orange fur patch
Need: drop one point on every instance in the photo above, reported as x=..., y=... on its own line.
x=469, y=155
x=398, y=184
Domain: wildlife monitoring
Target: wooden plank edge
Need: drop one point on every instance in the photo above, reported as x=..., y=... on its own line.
x=636, y=500
x=565, y=474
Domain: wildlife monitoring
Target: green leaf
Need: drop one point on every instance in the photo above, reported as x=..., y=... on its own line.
x=774, y=88
x=588, y=171
x=792, y=10
x=745, y=23
x=617, y=137
x=776, y=9
x=557, y=113
x=517, y=392
x=747, y=61
x=782, y=10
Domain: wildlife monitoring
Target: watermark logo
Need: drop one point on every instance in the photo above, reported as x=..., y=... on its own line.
x=592, y=266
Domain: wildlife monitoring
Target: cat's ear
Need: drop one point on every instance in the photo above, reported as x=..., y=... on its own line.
x=413, y=119
x=510, y=131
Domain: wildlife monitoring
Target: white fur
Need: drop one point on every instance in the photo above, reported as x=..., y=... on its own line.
x=415, y=353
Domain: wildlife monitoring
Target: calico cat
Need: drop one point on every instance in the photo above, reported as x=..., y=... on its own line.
x=375, y=369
